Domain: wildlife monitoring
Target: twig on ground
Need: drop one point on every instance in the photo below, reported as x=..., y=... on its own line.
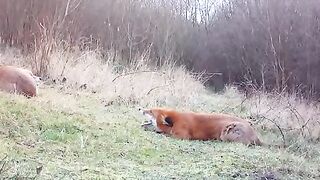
x=299, y=117
x=154, y=88
x=3, y=163
x=136, y=72
x=278, y=126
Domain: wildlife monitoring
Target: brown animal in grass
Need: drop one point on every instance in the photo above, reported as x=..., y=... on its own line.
x=199, y=126
x=18, y=80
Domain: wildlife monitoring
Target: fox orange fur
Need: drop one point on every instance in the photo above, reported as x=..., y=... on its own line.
x=200, y=126
x=18, y=80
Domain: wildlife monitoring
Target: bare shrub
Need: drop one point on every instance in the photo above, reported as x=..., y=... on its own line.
x=13, y=56
x=292, y=114
x=270, y=44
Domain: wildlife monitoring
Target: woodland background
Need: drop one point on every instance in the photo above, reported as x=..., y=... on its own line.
x=269, y=45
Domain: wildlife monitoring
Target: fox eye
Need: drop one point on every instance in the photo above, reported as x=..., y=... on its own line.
x=168, y=121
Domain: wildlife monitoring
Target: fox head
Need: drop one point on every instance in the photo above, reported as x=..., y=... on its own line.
x=158, y=118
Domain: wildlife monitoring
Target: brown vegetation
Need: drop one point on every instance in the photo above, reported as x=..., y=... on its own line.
x=270, y=45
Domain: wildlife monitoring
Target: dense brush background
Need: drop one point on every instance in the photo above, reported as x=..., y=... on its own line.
x=270, y=45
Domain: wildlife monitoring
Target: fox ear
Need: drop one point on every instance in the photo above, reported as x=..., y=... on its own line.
x=168, y=122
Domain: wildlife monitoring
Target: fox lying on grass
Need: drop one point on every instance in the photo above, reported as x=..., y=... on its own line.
x=198, y=126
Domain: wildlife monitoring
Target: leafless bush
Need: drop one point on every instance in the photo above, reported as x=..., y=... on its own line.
x=126, y=28
x=290, y=114
x=272, y=45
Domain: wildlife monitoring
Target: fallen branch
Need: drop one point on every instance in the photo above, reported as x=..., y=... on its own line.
x=3, y=163
x=154, y=88
x=299, y=117
x=278, y=126
x=136, y=72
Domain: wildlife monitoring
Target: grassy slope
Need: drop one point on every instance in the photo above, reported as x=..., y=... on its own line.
x=75, y=136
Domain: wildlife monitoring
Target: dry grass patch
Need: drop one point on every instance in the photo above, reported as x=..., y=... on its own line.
x=288, y=112
x=135, y=84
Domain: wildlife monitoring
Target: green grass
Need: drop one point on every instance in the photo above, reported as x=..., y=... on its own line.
x=61, y=136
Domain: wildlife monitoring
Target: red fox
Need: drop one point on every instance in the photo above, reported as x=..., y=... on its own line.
x=198, y=126
x=18, y=80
